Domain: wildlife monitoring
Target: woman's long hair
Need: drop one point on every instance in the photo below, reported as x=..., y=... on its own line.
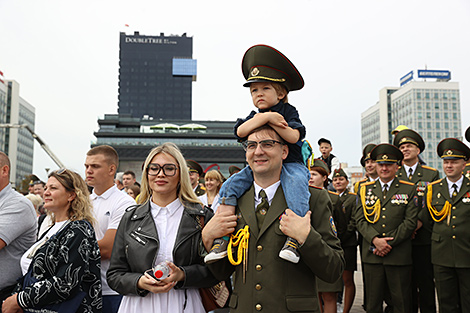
x=185, y=191
x=80, y=207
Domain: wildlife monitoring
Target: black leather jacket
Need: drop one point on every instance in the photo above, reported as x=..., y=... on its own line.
x=136, y=245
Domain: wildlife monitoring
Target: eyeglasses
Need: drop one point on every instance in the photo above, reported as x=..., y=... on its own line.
x=266, y=145
x=154, y=169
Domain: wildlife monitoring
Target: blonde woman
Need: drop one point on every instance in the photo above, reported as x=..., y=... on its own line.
x=165, y=227
x=213, y=181
x=64, y=264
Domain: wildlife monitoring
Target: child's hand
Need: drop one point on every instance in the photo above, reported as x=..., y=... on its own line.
x=276, y=120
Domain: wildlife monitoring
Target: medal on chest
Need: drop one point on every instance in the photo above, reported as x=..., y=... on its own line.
x=466, y=198
x=399, y=199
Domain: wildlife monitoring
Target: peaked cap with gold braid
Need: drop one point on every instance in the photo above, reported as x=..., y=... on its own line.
x=262, y=63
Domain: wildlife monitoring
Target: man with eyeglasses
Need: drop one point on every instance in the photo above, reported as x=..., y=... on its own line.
x=263, y=281
x=109, y=204
x=195, y=172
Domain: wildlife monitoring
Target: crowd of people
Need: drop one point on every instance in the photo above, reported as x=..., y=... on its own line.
x=285, y=231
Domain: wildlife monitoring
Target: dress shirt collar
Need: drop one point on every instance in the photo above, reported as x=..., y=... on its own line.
x=458, y=183
x=105, y=195
x=270, y=191
x=407, y=168
x=172, y=208
x=5, y=190
x=389, y=184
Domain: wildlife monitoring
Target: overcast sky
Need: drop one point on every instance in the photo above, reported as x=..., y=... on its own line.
x=65, y=56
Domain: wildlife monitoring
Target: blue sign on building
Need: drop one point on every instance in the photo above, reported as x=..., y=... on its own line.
x=406, y=78
x=184, y=67
x=439, y=74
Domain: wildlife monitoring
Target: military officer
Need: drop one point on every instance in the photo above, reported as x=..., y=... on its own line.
x=466, y=171
x=448, y=202
x=386, y=217
x=195, y=172
x=411, y=144
x=369, y=165
x=263, y=281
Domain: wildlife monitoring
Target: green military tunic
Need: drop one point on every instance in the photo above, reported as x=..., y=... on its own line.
x=466, y=171
x=273, y=284
x=451, y=244
x=423, y=291
x=341, y=227
x=396, y=217
x=199, y=191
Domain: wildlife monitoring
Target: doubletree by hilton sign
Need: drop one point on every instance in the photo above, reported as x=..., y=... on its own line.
x=151, y=40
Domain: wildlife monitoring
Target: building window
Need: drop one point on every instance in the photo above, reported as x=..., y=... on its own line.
x=446, y=125
x=418, y=95
x=436, y=105
x=429, y=135
x=438, y=135
x=454, y=115
x=446, y=115
x=438, y=125
x=429, y=125
x=427, y=95
x=428, y=114
x=420, y=125
x=428, y=106
x=446, y=106
x=420, y=115
x=437, y=114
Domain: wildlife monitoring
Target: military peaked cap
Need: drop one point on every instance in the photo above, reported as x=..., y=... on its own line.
x=386, y=154
x=322, y=164
x=409, y=136
x=453, y=149
x=366, y=153
x=262, y=63
x=194, y=167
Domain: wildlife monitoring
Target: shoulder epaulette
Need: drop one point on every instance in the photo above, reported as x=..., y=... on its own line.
x=351, y=193
x=435, y=182
x=317, y=187
x=429, y=168
x=361, y=181
x=333, y=193
x=369, y=183
x=468, y=164
x=406, y=182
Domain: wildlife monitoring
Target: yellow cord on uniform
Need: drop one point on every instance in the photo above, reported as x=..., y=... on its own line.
x=436, y=215
x=375, y=208
x=241, y=239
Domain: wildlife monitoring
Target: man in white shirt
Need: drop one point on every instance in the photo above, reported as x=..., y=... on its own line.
x=18, y=227
x=109, y=204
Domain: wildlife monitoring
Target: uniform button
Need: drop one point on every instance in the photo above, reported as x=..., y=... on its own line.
x=453, y=226
x=453, y=208
x=453, y=237
x=453, y=216
x=259, y=248
x=135, y=216
x=383, y=225
x=258, y=287
x=139, y=228
x=383, y=209
x=383, y=216
x=258, y=307
x=383, y=234
x=258, y=267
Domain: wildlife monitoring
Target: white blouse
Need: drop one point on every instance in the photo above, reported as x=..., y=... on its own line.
x=215, y=203
x=26, y=259
x=167, y=222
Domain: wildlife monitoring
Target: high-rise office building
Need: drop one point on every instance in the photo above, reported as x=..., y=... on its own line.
x=156, y=75
x=430, y=106
x=17, y=143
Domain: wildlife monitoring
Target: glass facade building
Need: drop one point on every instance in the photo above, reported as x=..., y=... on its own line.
x=156, y=75
x=431, y=108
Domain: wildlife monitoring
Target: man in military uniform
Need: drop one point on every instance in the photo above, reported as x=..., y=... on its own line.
x=263, y=281
x=195, y=172
x=448, y=202
x=369, y=165
x=386, y=217
x=411, y=144
x=466, y=171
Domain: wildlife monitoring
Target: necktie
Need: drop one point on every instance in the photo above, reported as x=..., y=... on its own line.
x=411, y=174
x=262, y=208
x=454, y=194
x=384, y=191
